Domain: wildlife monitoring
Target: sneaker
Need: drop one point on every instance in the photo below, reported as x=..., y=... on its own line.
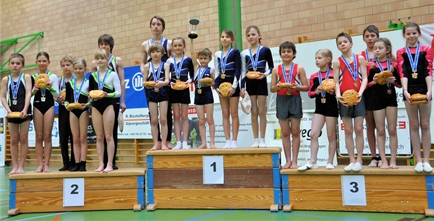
x=357, y=167
x=375, y=162
x=255, y=144
x=427, y=167
x=419, y=167
x=262, y=144
x=308, y=166
x=349, y=167
x=330, y=166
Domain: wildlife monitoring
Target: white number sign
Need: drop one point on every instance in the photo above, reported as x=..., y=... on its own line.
x=213, y=170
x=353, y=190
x=73, y=192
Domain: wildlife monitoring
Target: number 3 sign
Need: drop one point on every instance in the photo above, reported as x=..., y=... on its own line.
x=353, y=190
x=73, y=192
x=213, y=170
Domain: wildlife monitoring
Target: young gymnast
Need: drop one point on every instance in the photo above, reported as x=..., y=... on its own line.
x=384, y=102
x=256, y=59
x=158, y=96
x=370, y=35
x=65, y=135
x=76, y=92
x=326, y=109
x=43, y=111
x=414, y=66
x=103, y=113
x=116, y=65
x=350, y=71
x=182, y=69
x=288, y=101
x=228, y=69
x=157, y=26
x=203, y=98
x=15, y=93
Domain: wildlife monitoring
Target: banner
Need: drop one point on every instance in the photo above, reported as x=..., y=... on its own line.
x=2, y=136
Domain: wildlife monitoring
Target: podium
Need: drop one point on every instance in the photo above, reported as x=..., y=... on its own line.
x=243, y=178
x=372, y=190
x=77, y=191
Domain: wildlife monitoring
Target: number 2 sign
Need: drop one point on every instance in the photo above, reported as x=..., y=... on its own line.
x=73, y=192
x=213, y=170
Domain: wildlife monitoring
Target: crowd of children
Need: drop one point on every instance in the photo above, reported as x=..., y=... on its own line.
x=165, y=66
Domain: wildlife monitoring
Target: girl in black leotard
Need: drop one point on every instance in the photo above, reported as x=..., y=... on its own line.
x=43, y=111
x=15, y=95
x=76, y=92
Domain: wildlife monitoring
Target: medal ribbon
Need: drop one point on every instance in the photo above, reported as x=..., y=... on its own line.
x=323, y=94
x=178, y=68
x=16, y=87
x=413, y=62
x=154, y=73
x=382, y=69
x=352, y=71
x=224, y=59
x=161, y=40
x=77, y=93
x=101, y=83
x=200, y=74
x=255, y=61
x=367, y=56
x=290, y=73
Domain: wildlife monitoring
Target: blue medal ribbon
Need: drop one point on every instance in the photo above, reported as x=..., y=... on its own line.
x=223, y=60
x=154, y=73
x=367, y=56
x=178, y=68
x=101, y=83
x=255, y=61
x=382, y=69
x=161, y=40
x=77, y=93
x=323, y=94
x=413, y=62
x=200, y=74
x=16, y=87
x=290, y=73
x=353, y=71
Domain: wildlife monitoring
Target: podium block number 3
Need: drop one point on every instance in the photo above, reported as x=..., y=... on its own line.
x=353, y=190
x=73, y=192
x=213, y=170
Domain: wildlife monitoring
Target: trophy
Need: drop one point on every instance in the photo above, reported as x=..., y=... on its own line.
x=193, y=26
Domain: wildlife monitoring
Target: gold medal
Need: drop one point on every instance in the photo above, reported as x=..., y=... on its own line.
x=223, y=75
x=389, y=91
x=199, y=90
x=356, y=84
x=414, y=75
x=323, y=100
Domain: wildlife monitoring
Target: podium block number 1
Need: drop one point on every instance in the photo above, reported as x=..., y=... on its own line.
x=213, y=170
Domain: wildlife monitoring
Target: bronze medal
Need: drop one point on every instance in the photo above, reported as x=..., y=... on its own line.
x=414, y=75
x=288, y=92
x=389, y=91
x=156, y=89
x=356, y=84
x=323, y=100
x=222, y=75
x=199, y=90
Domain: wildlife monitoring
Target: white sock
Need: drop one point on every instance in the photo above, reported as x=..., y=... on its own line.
x=256, y=140
x=262, y=140
x=184, y=144
x=233, y=144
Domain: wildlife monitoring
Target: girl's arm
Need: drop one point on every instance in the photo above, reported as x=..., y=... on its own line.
x=28, y=80
x=212, y=73
x=269, y=59
x=193, y=54
x=312, y=89
x=244, y=68
x=429, y=87
x=237, y=62
x=3, y=92
x=362, y=63
x=116, y=86
x=336, y=74
x=400, y=62
x=191, y=70
x=274, y=77
x=404, y=83
x=216, y=69
x=166, y=74
x=121, y=73
x=302, y=76
x=54, y=88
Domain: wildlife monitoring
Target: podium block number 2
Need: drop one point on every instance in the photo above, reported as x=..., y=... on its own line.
x=213, y=170
x=73, y=192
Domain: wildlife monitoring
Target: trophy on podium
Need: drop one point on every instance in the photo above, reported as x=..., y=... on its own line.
x=193, y=27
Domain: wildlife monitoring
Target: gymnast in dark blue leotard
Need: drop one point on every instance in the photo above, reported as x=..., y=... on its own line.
x=103, y=108
x=43, y=111
x=76, y=92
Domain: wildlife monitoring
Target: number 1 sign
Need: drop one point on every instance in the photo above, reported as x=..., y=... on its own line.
x=213, y=170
